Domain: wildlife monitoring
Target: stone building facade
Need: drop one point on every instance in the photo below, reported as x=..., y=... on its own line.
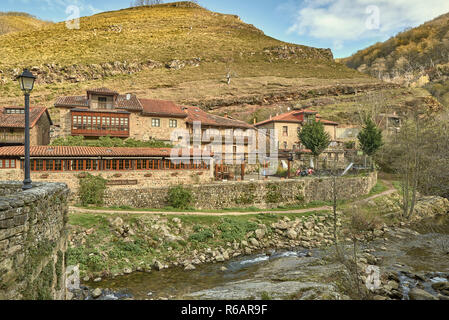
x=122, y=167
x=127, y=116
x=288, y=125
x=12, y=126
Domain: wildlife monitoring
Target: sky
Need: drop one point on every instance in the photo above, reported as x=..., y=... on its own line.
x=345, y=26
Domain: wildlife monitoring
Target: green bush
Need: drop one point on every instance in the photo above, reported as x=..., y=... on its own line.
x=92, y=190
x=235, y=230
x=273, y=193
x=179, y=197
x=201, y=234
x=109, y=142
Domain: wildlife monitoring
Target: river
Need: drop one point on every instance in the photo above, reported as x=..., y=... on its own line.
x=418, y=255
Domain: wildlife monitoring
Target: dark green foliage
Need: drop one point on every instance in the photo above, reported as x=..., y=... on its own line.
x=179, y=197
x=273, y=193
x=314, y=137
x=235, y=230
x=59, y=269
x=92, y=190
x=108, y=142
x=202, y=234
x=370, y=138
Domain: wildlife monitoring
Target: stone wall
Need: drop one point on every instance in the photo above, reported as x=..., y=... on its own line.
x=145, y=178
x=262, y=194
x=33, y=241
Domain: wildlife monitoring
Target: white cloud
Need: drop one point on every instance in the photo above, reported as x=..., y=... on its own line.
x=351, y=20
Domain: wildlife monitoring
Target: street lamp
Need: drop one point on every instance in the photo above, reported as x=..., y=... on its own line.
x=26, y=80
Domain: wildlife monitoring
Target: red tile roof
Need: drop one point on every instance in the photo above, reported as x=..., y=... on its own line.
x=129, y=104
x=81, y=101
x=71, y=151
x=72, y=101
x=207, y=119
x=161, y=108
x=18, y=120
x=295, y=117
x=103, y=90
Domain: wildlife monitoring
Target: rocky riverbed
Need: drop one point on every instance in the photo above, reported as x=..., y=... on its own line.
x=413, y=262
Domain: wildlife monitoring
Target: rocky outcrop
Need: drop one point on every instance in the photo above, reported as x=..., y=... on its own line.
x=56, y=73
x=289, y=95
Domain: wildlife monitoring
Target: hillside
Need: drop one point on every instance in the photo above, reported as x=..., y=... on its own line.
x=416, y=57
x=180, y=52
x=18, y=21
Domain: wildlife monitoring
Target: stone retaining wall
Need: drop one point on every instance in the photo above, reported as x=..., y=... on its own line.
x=262, y=194
x=145, y=179
x=33, y=241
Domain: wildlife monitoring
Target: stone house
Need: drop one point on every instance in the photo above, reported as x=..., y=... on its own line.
x=12, y=126
x=104, y=112
x=234, y=133
x=138, y=167
x=288, y=125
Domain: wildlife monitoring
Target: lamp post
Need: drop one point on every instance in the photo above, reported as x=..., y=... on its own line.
x=26, y=80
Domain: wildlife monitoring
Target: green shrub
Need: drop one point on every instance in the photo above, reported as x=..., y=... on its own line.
x=201, y=234
x=108, y=142
x=179, y=197
x=281, y=172
x=273, y=193
x=235, y=230
x=92, y=189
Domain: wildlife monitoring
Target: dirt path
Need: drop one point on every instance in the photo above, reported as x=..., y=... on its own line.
x=323, y=208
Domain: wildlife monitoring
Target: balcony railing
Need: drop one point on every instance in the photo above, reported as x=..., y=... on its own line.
x=12, y=138
x=100, y=133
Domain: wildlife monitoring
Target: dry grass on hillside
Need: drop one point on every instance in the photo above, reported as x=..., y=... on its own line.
x=16, y=22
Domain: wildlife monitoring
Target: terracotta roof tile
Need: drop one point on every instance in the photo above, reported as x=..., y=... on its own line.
x=295, y=116
x=129, y=104
x=72, y=101
x=207, y=119
x=18, y=120
x=71, y=151
x=81, y=101
x=103, y=90
x=161, y=108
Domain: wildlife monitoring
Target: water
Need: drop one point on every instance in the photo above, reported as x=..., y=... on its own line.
x=417, y=259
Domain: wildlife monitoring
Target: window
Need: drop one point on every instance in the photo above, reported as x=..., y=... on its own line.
x=173, y=123
x=285, y=131
x=285, y=145
x=311, y=118
x=102, y=102
x=155, y=122
x=15, y=111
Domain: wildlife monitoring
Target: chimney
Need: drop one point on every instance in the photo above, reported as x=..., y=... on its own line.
x=128, y=96
x=255, y=121
x=226, y=115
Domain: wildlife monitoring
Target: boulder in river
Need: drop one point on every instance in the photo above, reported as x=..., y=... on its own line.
x=96, y=293
x=420, y=294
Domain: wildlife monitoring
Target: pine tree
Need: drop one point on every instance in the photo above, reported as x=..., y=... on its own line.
x=315, y=138
x=370, y=138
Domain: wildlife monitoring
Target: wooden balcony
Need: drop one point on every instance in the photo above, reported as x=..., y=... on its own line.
x=100, y=124
x=12, y=138
x=100, y=133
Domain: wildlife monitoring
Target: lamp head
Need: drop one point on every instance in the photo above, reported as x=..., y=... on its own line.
x=26, y=80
